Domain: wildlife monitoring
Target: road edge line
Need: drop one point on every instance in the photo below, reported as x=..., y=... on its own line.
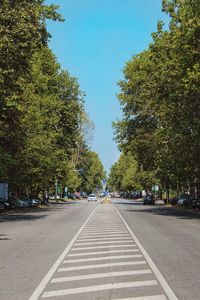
x=40, y=288
x=169, y=292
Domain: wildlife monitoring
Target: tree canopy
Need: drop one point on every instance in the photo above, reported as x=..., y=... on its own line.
x=160, y=99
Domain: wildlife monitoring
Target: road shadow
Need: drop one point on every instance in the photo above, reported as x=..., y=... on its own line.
x=21, y=217
x=179, y=213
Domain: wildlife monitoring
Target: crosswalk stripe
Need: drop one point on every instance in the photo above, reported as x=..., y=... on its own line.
x=155, y=297
x=103, y=239
x=107, y=242
x=110, y=286
x=86, y=267
x=103, y=234
x=102, y=247
x=104, y=231
x=101, y=258
x=101, y=275
x=103, y=252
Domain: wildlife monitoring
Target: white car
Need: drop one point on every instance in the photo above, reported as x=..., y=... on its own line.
x=92, y=197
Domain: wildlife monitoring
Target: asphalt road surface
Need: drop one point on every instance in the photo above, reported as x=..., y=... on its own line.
x=119, y=251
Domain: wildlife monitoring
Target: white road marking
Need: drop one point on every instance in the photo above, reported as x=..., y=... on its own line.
x=103, y=252
x=103, y=239
x=55, y=266
x=159, y=276
x=68, y=261
x=104, y=231
x=155, y=297
x=100, y=275
x=99, y=243
x=86, y=267
x=102, y=247
x=85, y=235
x=95, y=288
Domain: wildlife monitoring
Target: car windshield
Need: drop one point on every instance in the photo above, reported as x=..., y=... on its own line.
x=91, y=195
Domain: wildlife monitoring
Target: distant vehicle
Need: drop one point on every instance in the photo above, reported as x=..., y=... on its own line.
x=149, y=199
x=92, y=197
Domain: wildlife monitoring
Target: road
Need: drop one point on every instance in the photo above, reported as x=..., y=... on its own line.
x=93, y=251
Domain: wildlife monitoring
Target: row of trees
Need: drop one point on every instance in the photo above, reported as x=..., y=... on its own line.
x=43, y=124
x=125, y=175
x=160, y=100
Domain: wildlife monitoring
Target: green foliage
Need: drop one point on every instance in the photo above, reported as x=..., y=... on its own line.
x=91, y=172
x=160, y=99
x=43, y=124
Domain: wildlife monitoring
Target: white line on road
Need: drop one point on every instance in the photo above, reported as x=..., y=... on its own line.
x=101, y=275
x=102, y=247
x=95, y=288
x=86, y=267
x=103, y=239
x=99, y=243
x=103, y=252
x=99, y=231
x=159, y=276
x=155, y=297
x=53, y=269
x=68, y=261
x=103, y=234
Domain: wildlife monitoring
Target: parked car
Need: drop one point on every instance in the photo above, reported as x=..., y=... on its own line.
x=35, y=201
x=2, y=207
x=196, y=204
x=92, y=197
x=149, y=199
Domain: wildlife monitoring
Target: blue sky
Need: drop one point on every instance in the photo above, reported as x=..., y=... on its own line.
x=96, y=40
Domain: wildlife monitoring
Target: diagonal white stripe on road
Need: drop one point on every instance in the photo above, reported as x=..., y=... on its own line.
x=155, y=297
x=101, y=275
x=110, y=286
x=132, y=263
x=103, y=239
x=99, y=243
x=154, y=268
x=68, y=261
x=103, y=252
x=102, y=247
x=104, y=234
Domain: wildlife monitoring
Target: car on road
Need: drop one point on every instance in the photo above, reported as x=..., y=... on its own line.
x=92, y=197
x=149, y=200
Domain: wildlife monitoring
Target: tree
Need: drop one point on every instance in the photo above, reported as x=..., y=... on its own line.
x=160, y=99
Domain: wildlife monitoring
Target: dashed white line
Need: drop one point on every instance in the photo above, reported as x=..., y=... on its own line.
x=102, y=287
x=101, y=258
x=86, y=267
x=101, y=275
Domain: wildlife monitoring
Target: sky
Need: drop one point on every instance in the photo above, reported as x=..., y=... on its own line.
x=94, y=43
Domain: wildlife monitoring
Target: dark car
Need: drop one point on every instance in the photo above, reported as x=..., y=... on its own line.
x=2, y=207
x=149, y=200
x=196, y=204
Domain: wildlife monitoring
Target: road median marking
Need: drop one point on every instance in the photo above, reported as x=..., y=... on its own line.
x=96, y=288
x=169, y=292
x=38, y=291
x=100, y=275
x=87, y=267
